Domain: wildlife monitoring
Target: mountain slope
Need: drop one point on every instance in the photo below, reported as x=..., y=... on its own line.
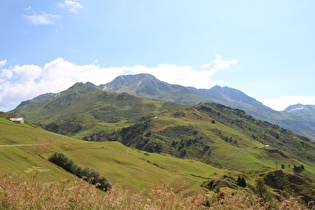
x=147, y=86
x=300, y=124
x=24, y=152
x=221, y=136
x=37, y=99
x=300, y=108
x=83, y=107
x=236, y=99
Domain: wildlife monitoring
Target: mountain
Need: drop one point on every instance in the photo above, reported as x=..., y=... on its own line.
x=84, y=106
x=37, y=99
x=236, y=99
x=147, y=86
x=300, y=108
x=230, y=141
x=207, y=131
x=293, y=121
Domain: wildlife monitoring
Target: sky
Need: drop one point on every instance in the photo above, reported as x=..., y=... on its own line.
x=264, y=48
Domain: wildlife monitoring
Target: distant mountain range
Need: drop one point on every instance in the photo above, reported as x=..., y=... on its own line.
x=298, y=118
x=300, y=108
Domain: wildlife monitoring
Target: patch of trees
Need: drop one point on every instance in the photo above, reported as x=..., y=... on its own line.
x=72, y=124
x=298, y=168
x=241, y=181
x=88, y=174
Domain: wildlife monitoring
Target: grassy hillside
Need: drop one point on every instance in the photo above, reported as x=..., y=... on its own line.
x=191, y=134
x=212, y=133
x=25, y=150
x=147, y=86
x=82, y=108
x=278, y=138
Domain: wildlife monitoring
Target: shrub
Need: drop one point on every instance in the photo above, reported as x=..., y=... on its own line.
x=90, y=175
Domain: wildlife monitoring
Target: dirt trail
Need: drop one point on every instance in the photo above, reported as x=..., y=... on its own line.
x=19, y=145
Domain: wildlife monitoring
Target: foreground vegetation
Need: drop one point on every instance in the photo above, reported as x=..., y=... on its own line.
x=69, y=194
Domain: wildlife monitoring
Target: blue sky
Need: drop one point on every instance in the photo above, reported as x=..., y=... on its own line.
x=264, y=48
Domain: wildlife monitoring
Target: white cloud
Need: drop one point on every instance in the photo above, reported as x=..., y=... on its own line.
x=25, y=82
x=72, y=6
x=3, y=63
x=28, y=8
x=219, y=64
x=42, y=19
x=283, y=102
x=6, y=74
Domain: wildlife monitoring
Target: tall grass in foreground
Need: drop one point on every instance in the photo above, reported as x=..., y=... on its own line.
x=66, y=194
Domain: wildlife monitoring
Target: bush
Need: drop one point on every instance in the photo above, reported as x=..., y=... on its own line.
x=90, y=175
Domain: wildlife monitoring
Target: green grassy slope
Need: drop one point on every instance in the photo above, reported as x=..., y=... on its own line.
x=145, y=85
x=281, y=140
x=25, y=151
x=82, y=107
x=209, y=132
x=192, y=134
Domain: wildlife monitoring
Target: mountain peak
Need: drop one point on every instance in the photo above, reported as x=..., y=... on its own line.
x=147, y=86
x=124, y=82
x=300, y=108
x=90, y=84
x=37, y=99
x=134, y=78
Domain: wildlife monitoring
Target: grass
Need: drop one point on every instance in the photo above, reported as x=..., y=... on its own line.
x=137, y=169
x=84, y=112
x=129, y=167
x=69, y=194
x=8, y=122
x=143, y=174
x=15, y=160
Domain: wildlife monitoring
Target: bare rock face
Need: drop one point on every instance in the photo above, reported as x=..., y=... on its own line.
x=275, y=179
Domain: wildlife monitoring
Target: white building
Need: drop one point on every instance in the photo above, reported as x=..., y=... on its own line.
x=17, y=120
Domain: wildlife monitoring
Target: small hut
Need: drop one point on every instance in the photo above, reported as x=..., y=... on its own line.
x=17, y=120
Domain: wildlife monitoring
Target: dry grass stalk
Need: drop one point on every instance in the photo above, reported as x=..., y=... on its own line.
x=67, y=194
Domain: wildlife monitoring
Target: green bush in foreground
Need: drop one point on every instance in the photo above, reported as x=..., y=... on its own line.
x=90, y=175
